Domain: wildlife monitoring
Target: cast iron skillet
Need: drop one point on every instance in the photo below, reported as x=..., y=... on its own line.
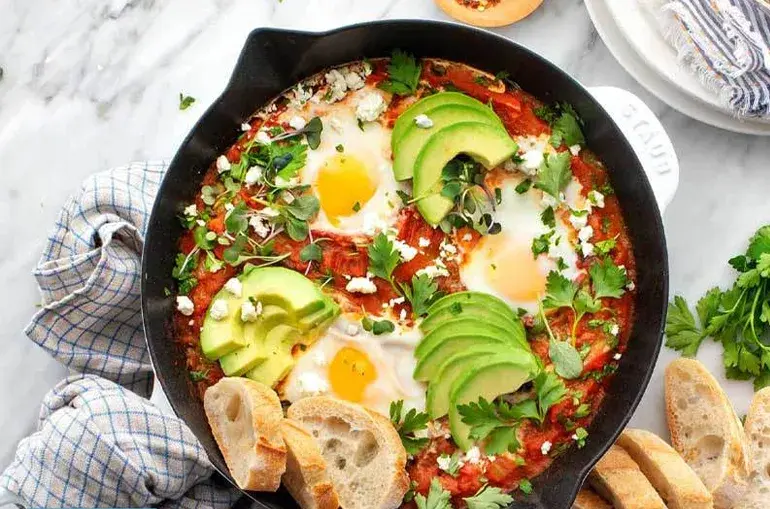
x=273, y=60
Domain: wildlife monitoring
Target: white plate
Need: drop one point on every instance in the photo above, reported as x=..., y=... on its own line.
x=659, y=86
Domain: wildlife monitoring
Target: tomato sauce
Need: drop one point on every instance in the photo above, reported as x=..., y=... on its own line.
x=347, y=256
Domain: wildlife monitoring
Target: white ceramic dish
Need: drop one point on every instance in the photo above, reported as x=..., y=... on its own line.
x=659, y=86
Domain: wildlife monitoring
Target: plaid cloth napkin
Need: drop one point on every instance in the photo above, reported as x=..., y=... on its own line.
x=99, y=442
x=726, y=43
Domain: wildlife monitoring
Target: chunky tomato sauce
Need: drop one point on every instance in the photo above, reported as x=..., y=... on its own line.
x=343, y=255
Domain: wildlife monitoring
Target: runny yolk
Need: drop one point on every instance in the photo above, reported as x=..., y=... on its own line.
x=343, y=186
x=350, y=373
x=512, y=270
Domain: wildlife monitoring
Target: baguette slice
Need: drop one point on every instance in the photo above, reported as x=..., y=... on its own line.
x=677, y=484
x=363, y=451
x=588, y=499
x=306, y=477
x=245, y=418
x=706, y=431
x=758, y=434
x=618, y=479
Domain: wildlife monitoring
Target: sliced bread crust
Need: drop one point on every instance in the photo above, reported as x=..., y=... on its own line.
x=706, y=431
x=363, y=452
x=617, y=478
x=677, y=484
x=245, y=418
x=758, y=434
x=588, y=499
x=306, y=477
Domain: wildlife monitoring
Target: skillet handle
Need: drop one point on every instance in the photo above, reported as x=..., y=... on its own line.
x=647, y=137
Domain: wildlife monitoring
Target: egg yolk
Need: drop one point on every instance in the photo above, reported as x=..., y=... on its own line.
x=343, y=186
x=512, y=270
x=350, y=373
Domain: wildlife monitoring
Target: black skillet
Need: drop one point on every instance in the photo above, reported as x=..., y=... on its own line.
x=273, y=60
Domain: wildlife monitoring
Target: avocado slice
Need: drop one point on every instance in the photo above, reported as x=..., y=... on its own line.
x=277, y=345
x=460, y=325
x=319, y=319
x=283, y=287
x=437, y=398
x=489, y=145
x=408, y=147
x=468, y=297
x=242, y=360
x=221, y=337
x=488, y=378
x=471, y=309
x=406, y=119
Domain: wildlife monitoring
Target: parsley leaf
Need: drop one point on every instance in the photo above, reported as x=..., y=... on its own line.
x=198, y=375
x=438, y=497
x=560, y=291
x=403, y=74
x=383, y=257
x=566, y=130
x=608, y=279
x=422, y=293
x=488, y=497
x=550, y=390
x=185, y=101
x=407, y=425
x=554, y=174
x=183, y=272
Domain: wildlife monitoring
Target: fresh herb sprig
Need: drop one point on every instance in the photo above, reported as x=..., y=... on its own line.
x=463, y=183
x=565, y=124
x=421, y=294
x=185, y=101
x=738, y=318
x=407, y=425
x=403, y=74
x=488, y=497
x=438, y=497
x=383, y=258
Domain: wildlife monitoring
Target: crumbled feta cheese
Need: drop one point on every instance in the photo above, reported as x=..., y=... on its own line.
x=467, y=237
x=370, y=107
x=449, y=248
x=260, y=225
x=191, y=323
x=354, y=81
x=218, y=309
x=596, y=198
x=361, y=285
x=585, y=233
x=191, y=210
x=336, y=125
x=531, y=161
x=223, y=164
x=617, y=356
x=574, y=150
x=443, y=462
x=367, y=68
x=549, y=201
x=491, y=458
x=587, y=249
x=575, y=437
x=263, y=137
x=270, y=212
x=545, y=448
x=337, y=86
x=297, y=122
x=229, y=207
x=614, y=330
x=352, y=329
x=234, y=286
x=250, y=312
x=253, y=175
x=300, y=96
x=473, y=455
x=312, y=384
x=396, y=301
x=578, y=221
x=200, y=222
x=402, y=315
x=185, y=305
x=630, y=286
x=423, y=242
x=423, y=121
x=406, y=251
x=433, y=271
x=245, y=127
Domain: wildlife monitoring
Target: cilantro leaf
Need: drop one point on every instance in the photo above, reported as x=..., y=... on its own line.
x=682, y=333
x=286, y=159
x=488, y=497
x=550, y=390
x=183, y=272
x=560, y=291
x=407, y=425
x=502, y=439
x=422, y=293
x=438, y=497
x=566, y=130
x=759, y=243
x=608, y=279
x=383, y=257
x=554, y=174
x=236, y=221
x=185, y=101
x=403, y=74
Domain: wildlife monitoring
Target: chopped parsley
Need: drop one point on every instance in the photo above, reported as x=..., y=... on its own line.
x=185, y=101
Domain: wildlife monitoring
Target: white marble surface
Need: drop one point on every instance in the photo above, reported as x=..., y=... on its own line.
x=90, y=84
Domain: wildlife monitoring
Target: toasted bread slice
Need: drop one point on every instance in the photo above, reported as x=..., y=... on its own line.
x=306, y=476
x=588, y=499
x=618, y=479
x=706, y=431
x=758, y=434
x=363, y=452
x=245, y=418
x=677, y=484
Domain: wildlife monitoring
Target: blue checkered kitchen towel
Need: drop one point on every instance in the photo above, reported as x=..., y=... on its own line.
x=99, y=442
x=726, y=43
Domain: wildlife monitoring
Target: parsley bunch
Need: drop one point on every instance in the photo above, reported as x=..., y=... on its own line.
x=739, y=318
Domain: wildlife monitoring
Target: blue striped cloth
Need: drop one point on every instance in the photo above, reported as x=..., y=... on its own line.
x=99, y=441
x=726, y=43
